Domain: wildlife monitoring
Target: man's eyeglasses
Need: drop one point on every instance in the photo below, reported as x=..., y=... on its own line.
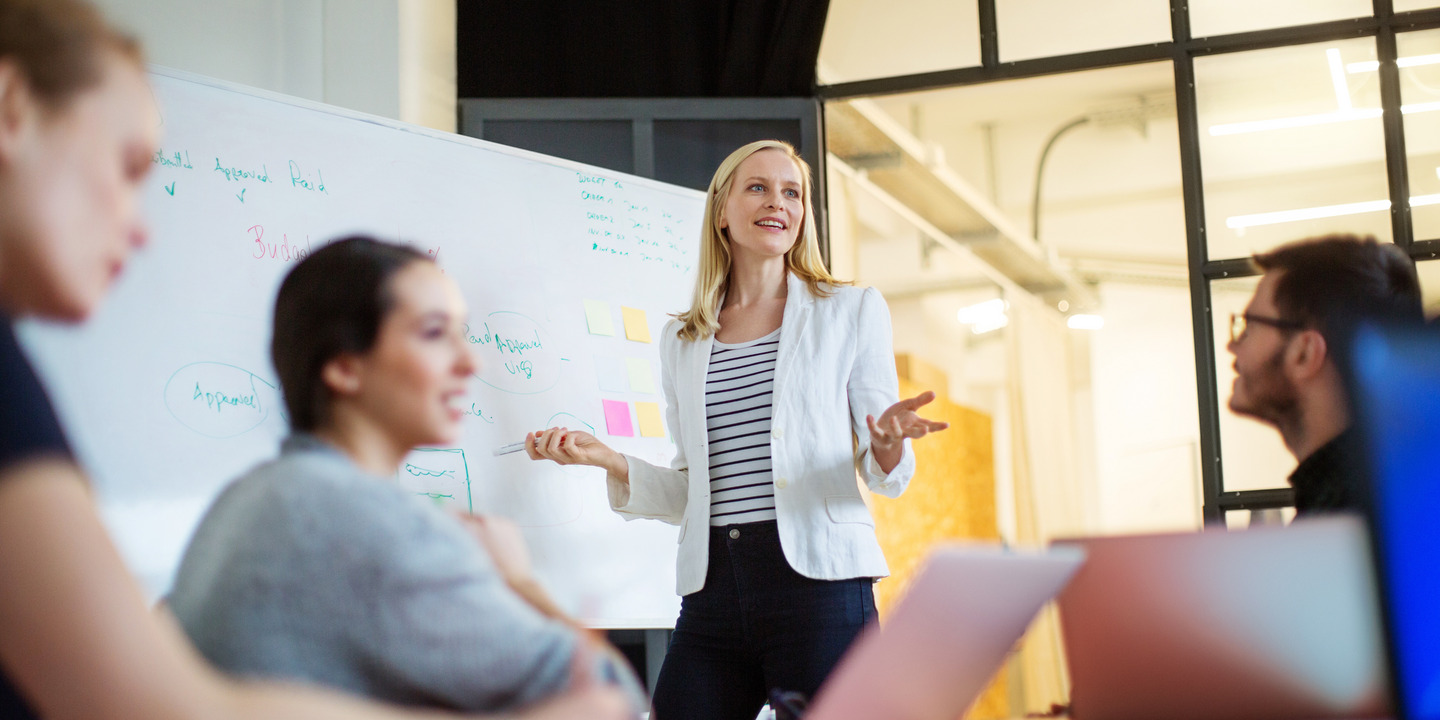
x=1240, y=323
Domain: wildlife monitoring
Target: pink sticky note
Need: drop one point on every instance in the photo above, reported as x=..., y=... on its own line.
x=617, y=419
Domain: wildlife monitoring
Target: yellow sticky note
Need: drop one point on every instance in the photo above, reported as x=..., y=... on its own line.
x=597, y=316
x=649, y=416
x=636, y=328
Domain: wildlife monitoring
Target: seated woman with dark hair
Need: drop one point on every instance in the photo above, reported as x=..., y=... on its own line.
x=317, y=566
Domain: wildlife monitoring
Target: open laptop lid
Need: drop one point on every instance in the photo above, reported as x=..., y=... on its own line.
x=1396, y=385
x=947, y=637
x=1265, y=624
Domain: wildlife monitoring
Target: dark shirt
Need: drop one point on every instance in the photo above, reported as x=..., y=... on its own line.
x=1332, y=479
x=28, y=429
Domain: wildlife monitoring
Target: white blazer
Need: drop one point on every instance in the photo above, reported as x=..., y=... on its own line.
x=835, y=366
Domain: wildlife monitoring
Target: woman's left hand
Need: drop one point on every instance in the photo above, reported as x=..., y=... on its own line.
x=898, y=422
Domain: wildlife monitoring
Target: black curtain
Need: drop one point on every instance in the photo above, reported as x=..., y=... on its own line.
x=638, y=48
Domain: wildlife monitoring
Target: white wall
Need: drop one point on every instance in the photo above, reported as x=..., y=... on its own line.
x=394, y=58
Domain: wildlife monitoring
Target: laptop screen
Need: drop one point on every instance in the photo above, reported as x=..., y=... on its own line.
x=1397, y=392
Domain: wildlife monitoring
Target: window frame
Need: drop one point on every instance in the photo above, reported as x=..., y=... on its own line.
x=1383, y=25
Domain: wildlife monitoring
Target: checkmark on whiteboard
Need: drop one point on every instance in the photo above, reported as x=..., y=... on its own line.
x=241, y=196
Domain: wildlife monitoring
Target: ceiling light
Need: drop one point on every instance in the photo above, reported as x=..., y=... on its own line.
x=1082, y=321
x=1346, y=111
x=1240, y=222
x=985, y=316
x=992, y=324
x=1294, y=122
x=1337, y=79
x=1373, y=65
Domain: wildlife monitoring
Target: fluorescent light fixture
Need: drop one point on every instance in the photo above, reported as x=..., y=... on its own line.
x=1337, y=78
x=1420, y=108
x=1373, y=65
x=1294, y=122
x=985, y=316
x=991, y=325
x=979, y=312
x=1082, y=321
x=1347, y=111
x=1240, y=222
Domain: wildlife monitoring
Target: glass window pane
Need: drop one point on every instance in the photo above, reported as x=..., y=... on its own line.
x=1244, y=519
x=1045, y=28
x=1222, y=17
x=1291, y=146
x=1251, y=453
x=1419, y=60
x=1112, y=213
x=1429, y=272
x=865, y=39
x=1407, y=5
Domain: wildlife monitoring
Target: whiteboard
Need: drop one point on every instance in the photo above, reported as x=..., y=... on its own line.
x=168, y=392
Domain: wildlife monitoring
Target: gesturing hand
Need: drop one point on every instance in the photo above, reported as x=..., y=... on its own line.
x=898, y=422
x=573, y=447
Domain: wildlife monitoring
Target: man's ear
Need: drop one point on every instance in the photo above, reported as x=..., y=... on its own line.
x=1307, y=354
x=342, y=375
x=17, y=108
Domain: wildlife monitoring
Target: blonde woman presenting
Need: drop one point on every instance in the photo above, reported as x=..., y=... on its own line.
x=780, y=386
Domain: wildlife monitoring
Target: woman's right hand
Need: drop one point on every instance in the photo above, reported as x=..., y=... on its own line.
x=574, y=447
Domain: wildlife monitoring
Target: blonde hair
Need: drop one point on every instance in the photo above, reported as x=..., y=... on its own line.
x=803, y=258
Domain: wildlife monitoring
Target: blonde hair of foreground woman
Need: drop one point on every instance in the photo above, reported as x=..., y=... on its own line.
x=77, y=134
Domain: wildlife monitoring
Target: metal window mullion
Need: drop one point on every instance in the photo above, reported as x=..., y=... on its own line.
x=1396, y=163
x=1191, y=185
x=1425, y=249
x=989, y=34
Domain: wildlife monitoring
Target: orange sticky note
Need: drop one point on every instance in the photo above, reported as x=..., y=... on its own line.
x=636, y=328
x=648, y=413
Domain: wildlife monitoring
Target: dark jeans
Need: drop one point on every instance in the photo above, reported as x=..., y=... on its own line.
x=757, y=625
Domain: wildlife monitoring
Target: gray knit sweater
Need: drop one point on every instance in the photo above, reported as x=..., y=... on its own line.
x=307, y=568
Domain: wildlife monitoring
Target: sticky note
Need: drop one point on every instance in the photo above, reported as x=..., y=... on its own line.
x=641, y=379
x=617, y=419
x=597, y=316
x=648, y=414
x=636, y=328
x=611, y=374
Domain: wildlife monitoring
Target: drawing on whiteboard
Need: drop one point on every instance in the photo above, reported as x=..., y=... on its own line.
x=630, y=229
x=440, y=474
x=562, y=419
x=475, y=411
x=176, y=159
x=219, y=400
x=235, y=174
x=283, y=250
x=518, y=356
x=299, y=179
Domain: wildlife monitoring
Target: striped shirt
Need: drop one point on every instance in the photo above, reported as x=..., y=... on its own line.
x=738, y=389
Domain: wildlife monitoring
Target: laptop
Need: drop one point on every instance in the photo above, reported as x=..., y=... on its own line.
x=1395, y=377
x=1272, y=623
x=947, y=637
